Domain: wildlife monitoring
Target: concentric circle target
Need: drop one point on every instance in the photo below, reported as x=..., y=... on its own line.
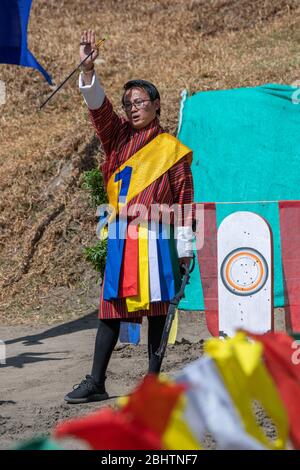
x=244, y=271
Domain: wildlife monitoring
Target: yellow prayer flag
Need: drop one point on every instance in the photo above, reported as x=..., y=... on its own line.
x=247, y=379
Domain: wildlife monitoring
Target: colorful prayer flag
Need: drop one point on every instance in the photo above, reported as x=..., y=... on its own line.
x=246, y=378
x=281, y=354
x=109, y=429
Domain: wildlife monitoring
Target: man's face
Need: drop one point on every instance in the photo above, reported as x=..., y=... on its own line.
x=144, y=111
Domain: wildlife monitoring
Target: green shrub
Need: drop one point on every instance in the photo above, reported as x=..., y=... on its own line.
x=93, y=183
x=96, y=255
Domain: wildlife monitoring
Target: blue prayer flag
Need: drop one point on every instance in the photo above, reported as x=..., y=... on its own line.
x=14, y=17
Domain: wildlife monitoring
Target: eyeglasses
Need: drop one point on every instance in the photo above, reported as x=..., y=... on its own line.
x=138, y=103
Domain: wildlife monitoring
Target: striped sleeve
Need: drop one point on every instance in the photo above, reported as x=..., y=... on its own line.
x=181, y=181
x=107, y=125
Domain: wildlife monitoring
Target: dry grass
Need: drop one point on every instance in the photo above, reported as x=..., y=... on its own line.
x=177, y=44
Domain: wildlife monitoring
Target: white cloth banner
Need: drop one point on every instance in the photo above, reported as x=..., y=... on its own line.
x=210, y=408
x=155, y=291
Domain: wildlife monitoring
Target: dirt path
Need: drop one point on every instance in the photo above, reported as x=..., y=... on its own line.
x=43, y=364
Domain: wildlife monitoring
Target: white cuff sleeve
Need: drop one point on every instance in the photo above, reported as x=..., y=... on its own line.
x=184, y=237
x=93, y=94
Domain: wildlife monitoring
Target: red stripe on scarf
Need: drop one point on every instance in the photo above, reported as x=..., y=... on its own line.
x=129, y=273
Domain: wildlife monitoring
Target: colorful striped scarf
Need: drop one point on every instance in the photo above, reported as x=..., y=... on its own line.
x=143, y=267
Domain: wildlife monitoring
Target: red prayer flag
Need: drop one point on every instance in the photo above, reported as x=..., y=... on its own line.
x=282, y=360
x=153, y=401
x=108, y=429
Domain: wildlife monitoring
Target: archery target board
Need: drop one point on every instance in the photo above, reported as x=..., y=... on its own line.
x=245, y=288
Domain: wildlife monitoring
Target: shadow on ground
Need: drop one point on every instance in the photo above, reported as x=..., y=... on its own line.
x=87, y=322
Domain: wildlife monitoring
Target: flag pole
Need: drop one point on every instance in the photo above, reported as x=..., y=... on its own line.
x=172, y=309
x=98, y=44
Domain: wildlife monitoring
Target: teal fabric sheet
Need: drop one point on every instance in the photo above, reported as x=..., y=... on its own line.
x=246, y=148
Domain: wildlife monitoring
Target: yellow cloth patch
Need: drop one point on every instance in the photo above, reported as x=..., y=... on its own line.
x=143, y=168
x=246, y=378
x=178, y=435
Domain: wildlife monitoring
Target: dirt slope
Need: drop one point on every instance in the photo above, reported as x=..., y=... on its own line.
x=45, y=217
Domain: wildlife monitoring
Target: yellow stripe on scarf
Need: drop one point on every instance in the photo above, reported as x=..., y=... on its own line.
x=141, y=301
x=144, y=167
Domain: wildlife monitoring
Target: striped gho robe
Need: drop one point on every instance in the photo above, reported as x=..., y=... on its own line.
x=120, y=141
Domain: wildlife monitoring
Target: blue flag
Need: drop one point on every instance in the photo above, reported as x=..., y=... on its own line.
x=14, y=17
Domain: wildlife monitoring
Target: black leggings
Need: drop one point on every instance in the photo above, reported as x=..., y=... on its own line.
x=106, y=340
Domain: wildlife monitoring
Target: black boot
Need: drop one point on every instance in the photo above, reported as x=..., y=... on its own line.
x=88, y=390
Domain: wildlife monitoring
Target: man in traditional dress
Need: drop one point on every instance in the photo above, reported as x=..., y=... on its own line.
x=143, y=166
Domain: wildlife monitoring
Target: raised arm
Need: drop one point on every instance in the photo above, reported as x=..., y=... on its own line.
x=106, y=122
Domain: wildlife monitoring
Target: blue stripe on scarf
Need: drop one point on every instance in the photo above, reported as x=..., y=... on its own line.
x=166, y=277
x=115, y=250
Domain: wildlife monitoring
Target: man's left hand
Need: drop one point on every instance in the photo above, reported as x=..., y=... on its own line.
x=185, y=260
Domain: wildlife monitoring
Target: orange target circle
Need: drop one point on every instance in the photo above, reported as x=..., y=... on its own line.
x=244, y=271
